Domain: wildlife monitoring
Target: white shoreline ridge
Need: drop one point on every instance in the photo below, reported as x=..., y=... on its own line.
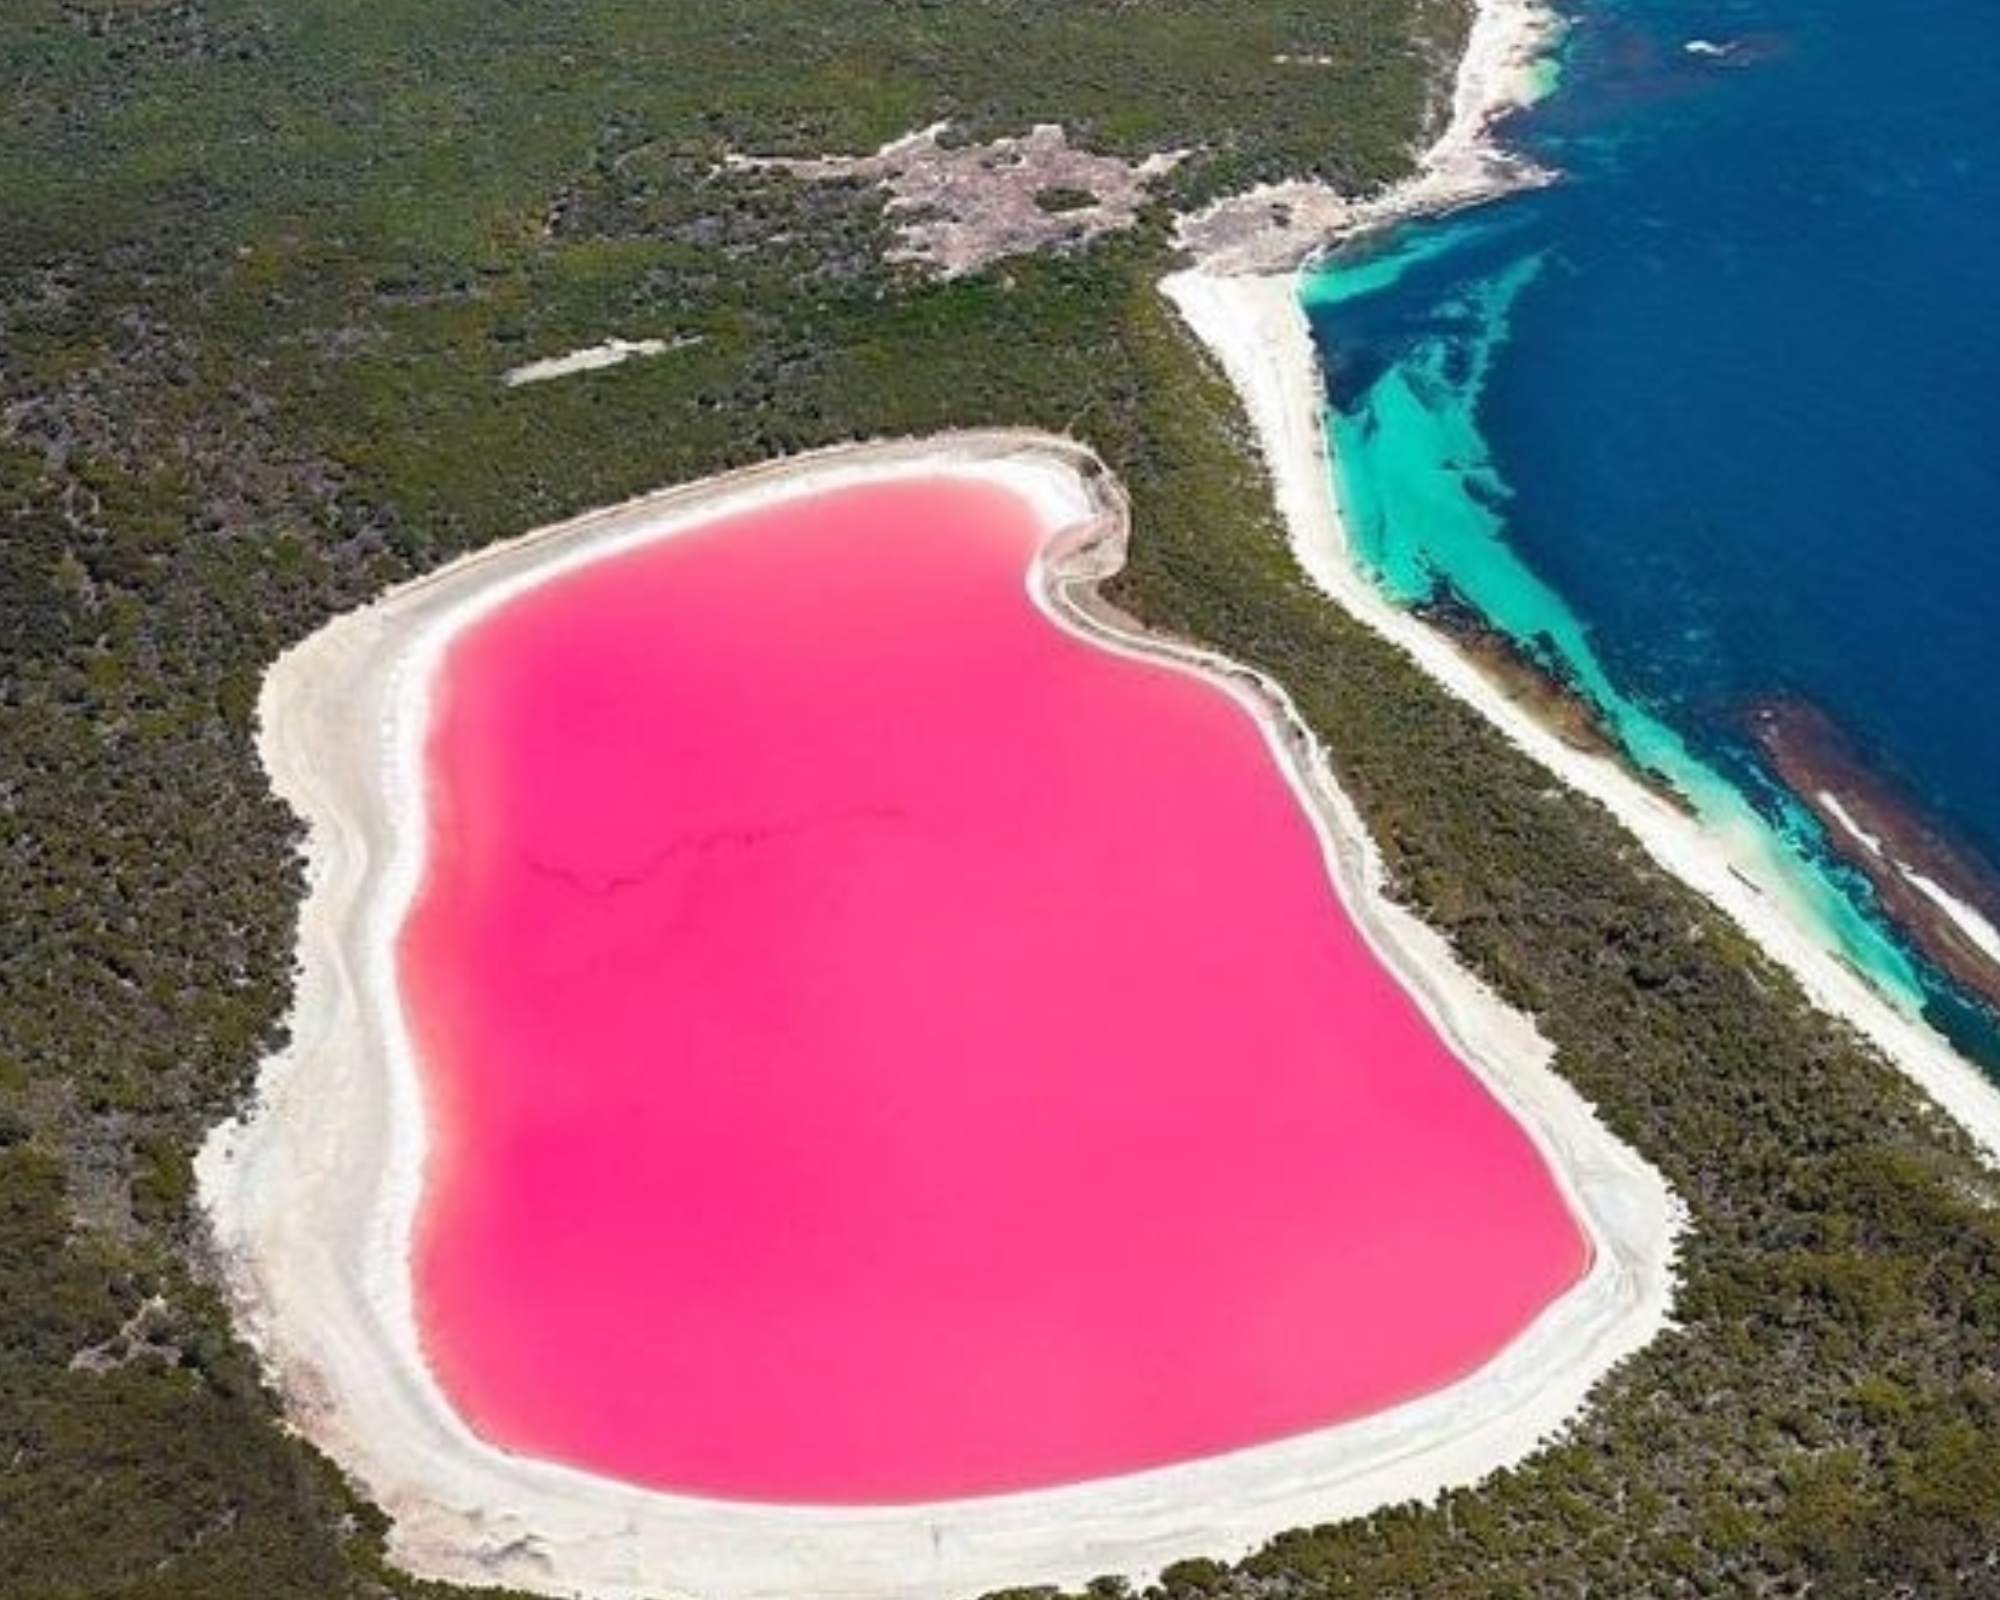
x=311, y=1197
x=1242, y=301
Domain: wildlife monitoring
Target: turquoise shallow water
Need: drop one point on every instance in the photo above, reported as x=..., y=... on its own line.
x=1714, y=420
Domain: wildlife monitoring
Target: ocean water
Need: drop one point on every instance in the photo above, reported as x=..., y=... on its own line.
x=1715, y=420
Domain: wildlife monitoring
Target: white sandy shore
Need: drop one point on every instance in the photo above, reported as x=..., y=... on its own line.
x=1242, y=302
x=311, y=1197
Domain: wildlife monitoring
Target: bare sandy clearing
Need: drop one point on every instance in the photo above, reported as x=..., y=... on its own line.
x=957, y=208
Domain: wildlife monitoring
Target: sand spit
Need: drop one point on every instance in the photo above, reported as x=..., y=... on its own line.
x=312, y=1194
x=1242, y=301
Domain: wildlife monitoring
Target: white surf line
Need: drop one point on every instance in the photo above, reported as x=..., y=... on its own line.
x=592, y=358
x=1976, y=928
x=1841, y=815
x=313, y=1194
x=1969, y=922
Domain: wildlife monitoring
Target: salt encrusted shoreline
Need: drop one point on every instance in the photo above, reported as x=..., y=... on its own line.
x=311, y=1197
x=1241, y=299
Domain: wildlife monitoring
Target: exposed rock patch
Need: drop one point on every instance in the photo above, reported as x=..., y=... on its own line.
x=957, y=208
x=1271, y=228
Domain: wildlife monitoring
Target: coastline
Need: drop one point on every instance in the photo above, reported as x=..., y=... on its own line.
x=312, y=1196
x=1241, y=301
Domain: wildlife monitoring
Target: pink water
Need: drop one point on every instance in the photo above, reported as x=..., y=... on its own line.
x=883, y=1048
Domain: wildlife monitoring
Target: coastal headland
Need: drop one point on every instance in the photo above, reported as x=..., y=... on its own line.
x=1240, y=298
x=312, y=1197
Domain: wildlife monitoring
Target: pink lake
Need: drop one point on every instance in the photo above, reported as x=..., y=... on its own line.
x=881, y=1048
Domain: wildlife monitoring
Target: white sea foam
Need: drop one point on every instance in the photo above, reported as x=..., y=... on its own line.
x=1969, y=922
x=1845, y=818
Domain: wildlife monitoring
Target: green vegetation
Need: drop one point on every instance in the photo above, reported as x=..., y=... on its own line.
x=263, y=265
x=1058, y=198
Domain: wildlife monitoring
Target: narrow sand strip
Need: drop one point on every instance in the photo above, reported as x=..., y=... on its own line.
x=592, y=358
x=1243, y=303
x=312, y=1197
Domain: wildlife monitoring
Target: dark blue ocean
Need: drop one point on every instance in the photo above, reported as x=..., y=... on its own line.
x=1716, y=418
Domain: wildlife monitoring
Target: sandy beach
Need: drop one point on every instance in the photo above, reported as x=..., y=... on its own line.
x=1241, y=300
x=312, y=1195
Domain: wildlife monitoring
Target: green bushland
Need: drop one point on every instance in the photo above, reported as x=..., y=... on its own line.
x=262, y=268
x=1064, y=197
